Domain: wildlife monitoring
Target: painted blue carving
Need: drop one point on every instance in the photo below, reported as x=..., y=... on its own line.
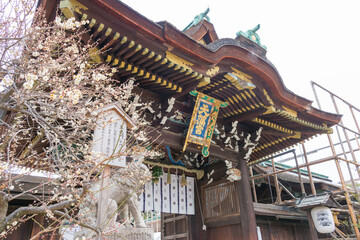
x=171, y=158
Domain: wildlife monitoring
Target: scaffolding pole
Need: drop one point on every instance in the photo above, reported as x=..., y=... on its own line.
x=342, y=180
x=344, y=188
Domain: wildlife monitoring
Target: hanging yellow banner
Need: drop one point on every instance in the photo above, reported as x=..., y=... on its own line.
x=203, y=121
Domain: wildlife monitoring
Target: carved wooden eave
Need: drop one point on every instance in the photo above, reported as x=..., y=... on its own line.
x=167, y=62
x=203, y=32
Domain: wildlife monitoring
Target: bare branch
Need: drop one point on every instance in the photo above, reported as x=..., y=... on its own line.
x=67, y=216
x=22, y=211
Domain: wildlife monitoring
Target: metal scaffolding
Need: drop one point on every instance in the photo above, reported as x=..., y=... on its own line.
x=343, y=149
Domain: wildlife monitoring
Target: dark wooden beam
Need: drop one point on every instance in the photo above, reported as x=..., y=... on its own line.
x=174, y=140
x=282, y=134
x=157, y=99
x=313, y=232
x=186, y=90
x=247, y=115
x=275, y=133
x=37, y=226
x=312, y=131
x=147, y=95
x=49, y=8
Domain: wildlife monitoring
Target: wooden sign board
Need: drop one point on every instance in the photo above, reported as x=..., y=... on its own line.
x=203, y=121
x=110, y=136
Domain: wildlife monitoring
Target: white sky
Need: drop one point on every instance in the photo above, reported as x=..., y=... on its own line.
x=306, y=40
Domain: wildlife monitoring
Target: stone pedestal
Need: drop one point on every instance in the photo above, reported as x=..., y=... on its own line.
x=133, y=234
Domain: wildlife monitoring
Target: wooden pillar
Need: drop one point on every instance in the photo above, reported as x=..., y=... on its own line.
x=37, y=226
x=313, y=232
x=103, y=203
x=247, y=213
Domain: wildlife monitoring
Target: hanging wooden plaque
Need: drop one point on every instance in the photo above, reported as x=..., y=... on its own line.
x=203, y=121
x=109, y=142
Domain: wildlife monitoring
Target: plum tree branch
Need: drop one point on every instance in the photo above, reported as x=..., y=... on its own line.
x=23, y=211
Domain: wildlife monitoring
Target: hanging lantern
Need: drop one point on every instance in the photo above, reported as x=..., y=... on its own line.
x=323, y=219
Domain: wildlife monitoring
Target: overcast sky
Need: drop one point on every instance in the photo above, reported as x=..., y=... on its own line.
x=306, y=40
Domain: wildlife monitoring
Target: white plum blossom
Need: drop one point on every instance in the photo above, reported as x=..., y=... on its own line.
x=78, y=78
x=77, y=24
x=58, y=21
x=73, y=49
x=74, y=95
x=43, y=72
x=29, y=84
x=82, y=66
x=59, y=94
x=69, y=24
x=7, y=81
x=99, y=76
x=31, y=77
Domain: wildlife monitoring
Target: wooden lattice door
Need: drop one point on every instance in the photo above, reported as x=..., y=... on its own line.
x=175, y=227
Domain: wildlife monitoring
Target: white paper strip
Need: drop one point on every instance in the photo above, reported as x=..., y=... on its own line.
x=190, y=198
x=174, y=194
x=169, y=198
x=149, y=204
x=157, y=196
x=182, y=197
x=165, y=194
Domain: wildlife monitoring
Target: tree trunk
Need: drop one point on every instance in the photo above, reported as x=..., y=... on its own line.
x=3, y=206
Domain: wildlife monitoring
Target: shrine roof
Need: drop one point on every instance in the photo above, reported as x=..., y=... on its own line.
x=171, y=63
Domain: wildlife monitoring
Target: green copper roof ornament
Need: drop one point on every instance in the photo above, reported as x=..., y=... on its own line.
x=198, y=18
x=252, y=35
